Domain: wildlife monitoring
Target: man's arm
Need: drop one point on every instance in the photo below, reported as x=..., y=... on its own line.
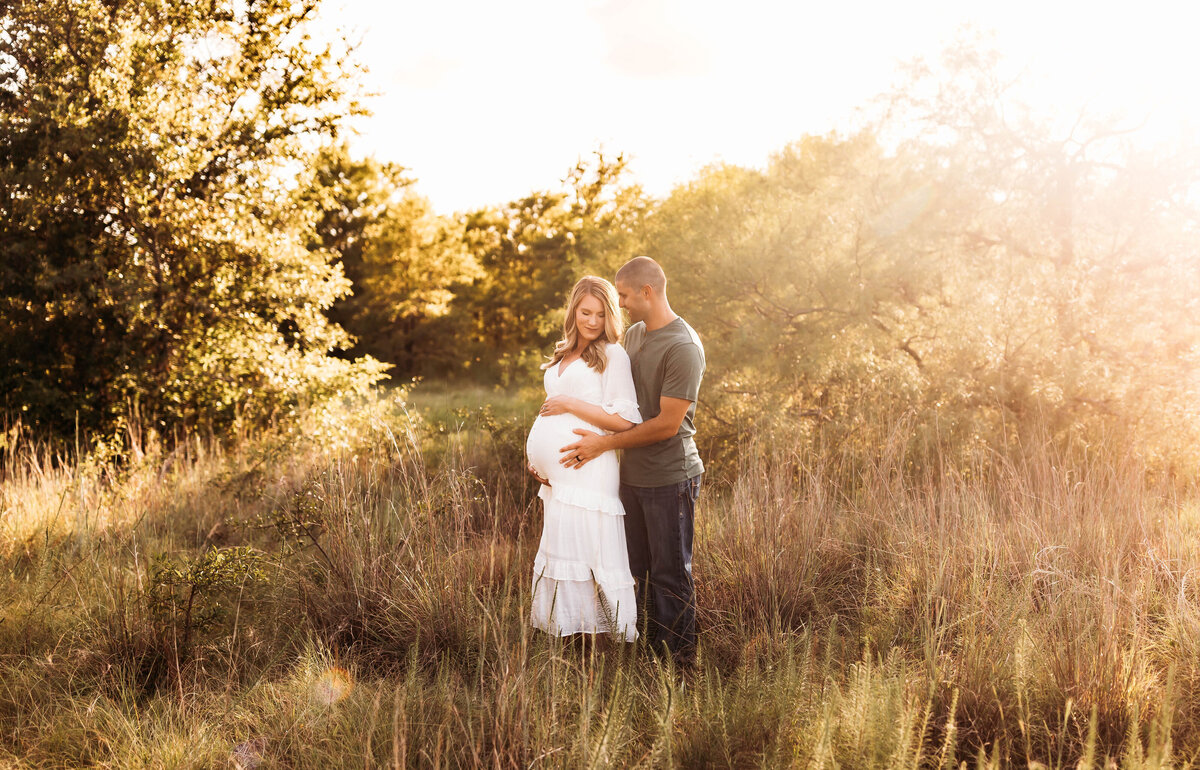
x=662, y=426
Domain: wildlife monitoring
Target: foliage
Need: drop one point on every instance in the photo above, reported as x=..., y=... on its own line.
x=1070, y=255
x=189, y=595
x=531, y=251
x=802, y=316
x=963, y=261
x=154, y=252
x=401, y=259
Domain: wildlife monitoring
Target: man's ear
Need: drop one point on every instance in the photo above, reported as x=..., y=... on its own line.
x=647, y=291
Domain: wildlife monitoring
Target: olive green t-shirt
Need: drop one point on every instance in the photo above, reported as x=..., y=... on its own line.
x=666, y=362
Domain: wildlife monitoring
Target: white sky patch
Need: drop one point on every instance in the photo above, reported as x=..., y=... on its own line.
x=651, y=38
x=486, y=102
x=429, y=71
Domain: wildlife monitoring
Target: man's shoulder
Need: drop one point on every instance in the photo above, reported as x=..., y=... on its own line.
x=634, y=334
x=691, y=335
x=686, y=337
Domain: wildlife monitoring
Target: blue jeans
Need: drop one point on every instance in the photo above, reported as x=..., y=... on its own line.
x=659, y=523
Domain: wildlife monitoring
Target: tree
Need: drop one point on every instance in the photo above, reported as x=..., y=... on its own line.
x=402, y=259
x=963, y=261
x=531, y=252
x=1074, y=264
x=805, y=285
x=153, y=250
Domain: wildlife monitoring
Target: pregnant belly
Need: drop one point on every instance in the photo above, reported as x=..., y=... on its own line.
x=547, y=437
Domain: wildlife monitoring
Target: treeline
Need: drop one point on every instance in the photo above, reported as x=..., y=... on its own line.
x=159, y=252
x=186, y=237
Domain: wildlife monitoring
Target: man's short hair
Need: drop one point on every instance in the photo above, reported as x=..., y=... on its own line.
x=643, y=271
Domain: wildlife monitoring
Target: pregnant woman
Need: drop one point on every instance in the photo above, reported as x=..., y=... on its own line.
x=581, y=578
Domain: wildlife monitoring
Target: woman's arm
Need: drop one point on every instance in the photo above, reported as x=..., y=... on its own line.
x=619, y=410
x=591, y=413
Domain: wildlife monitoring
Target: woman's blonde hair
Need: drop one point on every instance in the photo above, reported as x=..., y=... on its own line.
x=593, y=355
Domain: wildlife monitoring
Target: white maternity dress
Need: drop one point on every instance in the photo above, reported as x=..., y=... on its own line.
x=581, y=577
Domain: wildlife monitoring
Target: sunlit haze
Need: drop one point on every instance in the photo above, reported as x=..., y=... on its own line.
x=484, y=102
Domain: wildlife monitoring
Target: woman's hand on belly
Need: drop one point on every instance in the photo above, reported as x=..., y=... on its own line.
x=533, y=472
x=559, y=405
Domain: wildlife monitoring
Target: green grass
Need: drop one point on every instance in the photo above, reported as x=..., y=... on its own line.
x=442, y=401
x=356, y=595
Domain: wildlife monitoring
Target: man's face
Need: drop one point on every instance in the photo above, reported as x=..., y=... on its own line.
x=633, y=301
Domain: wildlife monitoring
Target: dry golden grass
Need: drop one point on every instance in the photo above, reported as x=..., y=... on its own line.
x=282, y=602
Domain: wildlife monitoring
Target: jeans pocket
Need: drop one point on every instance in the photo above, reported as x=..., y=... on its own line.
x=684, y=494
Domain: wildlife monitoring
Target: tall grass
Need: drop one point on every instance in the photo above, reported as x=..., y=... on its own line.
x=282, y=602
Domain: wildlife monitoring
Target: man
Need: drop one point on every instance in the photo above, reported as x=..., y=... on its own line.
x=660, y=470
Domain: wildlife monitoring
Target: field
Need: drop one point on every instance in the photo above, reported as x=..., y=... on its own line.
x=354, y=594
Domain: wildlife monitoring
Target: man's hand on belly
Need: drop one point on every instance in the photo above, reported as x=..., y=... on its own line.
x=587, y=448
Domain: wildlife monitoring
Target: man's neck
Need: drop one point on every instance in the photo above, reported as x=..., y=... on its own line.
x=659, y=317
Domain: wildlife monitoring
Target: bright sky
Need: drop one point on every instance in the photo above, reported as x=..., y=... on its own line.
x=486, y=101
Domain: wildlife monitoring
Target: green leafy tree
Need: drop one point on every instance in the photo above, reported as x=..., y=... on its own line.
x=153, y=249
x=403, y=260
x=801, y=281
x=531, y=251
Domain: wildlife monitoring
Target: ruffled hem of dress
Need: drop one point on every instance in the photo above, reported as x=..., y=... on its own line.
x=578, y=572
x=628, y=634
x=566, y=607
x=578, y=497
x=623, y=407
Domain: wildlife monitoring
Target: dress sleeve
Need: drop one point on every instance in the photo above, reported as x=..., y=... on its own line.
x=616, y=385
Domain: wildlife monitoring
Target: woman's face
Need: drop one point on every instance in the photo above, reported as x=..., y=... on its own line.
x=589, y=319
